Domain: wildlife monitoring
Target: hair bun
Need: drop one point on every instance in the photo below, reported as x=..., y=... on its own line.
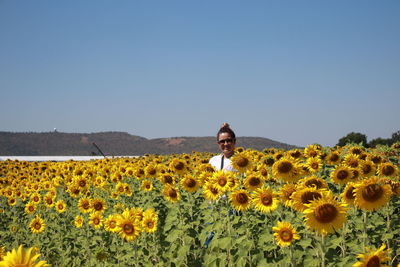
x=225, y=125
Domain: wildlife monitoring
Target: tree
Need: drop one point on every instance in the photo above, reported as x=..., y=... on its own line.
x=355, y=138
x=380, y=141
x=396, y=137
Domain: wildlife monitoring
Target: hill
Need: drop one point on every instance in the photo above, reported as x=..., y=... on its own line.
x=114, y=143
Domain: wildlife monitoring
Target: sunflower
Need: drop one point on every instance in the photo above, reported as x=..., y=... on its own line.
x=120, y=188
x=150, y=222
x=295, y=153
x=78, y=221
x=111, y=223
x=37, y=225
x=304, y=196
x=367, y=168
x=348, y=193
x=146, y=185
x=314, y=181
x=314, y=164
x=333, y=158
x=341, y=174
x=189, y=183
x=30, y=208
x=372, y=194
x=96, y=220
x=242, y=161
x=387, y=169
x=178, y=166
x=222, y=180
x=81, y=182
x=151, y=170
x=264, y=200
x=128, y=227
x=240, y=199
x=35, y=198
x=285, y=233
x=167, y=178
x=49, y=199
x=253, y=181
x=61, y=206
x=286, y=169
x=325, y=214
x=171, y=193
x=84, y=205
x=351, y=160
x=373, y=257
x=211, y=191
x=98, y=205
x=312, y=151
x=22, y=257
x=285, y=194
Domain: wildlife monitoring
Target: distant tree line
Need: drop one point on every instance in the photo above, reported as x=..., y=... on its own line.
x=359, y=138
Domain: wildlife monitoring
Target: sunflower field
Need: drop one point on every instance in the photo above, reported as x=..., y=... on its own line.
x=316, y=206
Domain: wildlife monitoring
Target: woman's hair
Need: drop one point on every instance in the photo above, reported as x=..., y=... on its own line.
x=226, y=129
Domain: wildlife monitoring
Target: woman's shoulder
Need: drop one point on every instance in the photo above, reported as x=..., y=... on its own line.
x=215, y=158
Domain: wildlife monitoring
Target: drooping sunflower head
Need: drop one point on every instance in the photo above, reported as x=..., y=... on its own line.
x=371, y=194
x=240, y=199
x=265, y=200
x=242, y=161
x=171, y=194
x=348, y=194
x=325, y=215
x=373, y=257
x=285, y=233
x=314, y=181
x=286, y=193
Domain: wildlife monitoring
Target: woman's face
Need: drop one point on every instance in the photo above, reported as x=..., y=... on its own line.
x=226, y=144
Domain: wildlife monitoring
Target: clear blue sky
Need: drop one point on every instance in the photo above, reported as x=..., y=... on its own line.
x=298, y=72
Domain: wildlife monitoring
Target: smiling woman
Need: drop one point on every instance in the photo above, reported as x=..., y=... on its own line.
x=226, y=140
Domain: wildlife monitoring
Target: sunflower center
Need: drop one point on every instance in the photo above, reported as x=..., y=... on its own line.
x=334, y=157
x=242, y=162
x=179, y=166
x=86, y=205
x=314, y=182
x=190, y=183
x=128, y=228
x=285, y=167
x=98, y=206
x=263, y=172
x=254, y=181
x=152, y=171
x=372, y=192
x=314, y=165
x=325, y=213
x=350, y=193
x=150, y=224
x=286, y=235
x=96, y=221
x=373, y=262
x=269, y=161
x=172, y=193
x=366, y=168
x=37, y=225
x=168, y=179
x=387, y=170
x=112, y=224
x=214, y=190
x=222, y=181
x=242, y=198
x=82, y=183
x=266, y=200
x=342, y=174
x=307, y=197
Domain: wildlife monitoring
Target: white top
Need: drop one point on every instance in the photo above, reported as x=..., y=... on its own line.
x=216, y=163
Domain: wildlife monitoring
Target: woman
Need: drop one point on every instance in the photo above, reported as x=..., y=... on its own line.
x=226, y=140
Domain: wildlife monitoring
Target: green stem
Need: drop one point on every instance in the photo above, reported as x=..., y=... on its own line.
x=322, y=250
